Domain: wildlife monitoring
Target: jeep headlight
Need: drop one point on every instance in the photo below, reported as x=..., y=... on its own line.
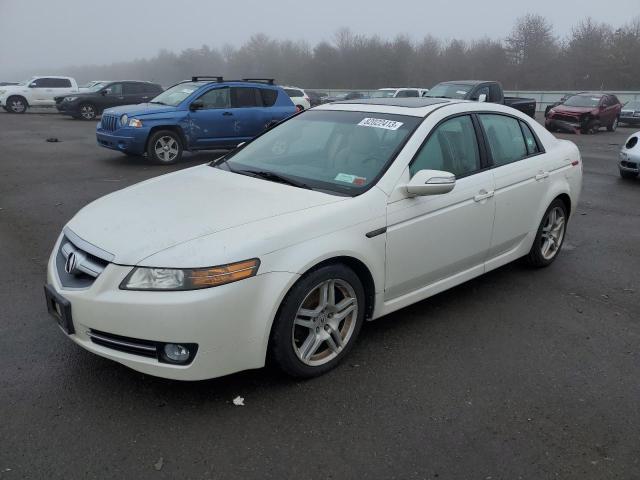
x=135, y=123
x=124, y=120
x=164, y=279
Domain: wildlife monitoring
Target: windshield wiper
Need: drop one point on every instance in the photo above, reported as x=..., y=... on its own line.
x=159, y=103
x=273, y=177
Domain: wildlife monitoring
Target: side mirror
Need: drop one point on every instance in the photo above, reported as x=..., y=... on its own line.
x=482, y=97
x=197, y=105
x=33, y=85
x=430, y=182
x=104, y=92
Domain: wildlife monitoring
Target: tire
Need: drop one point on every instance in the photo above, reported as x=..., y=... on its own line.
x=308, y=339
x=628, y=175
x=165, y=147
x=88, y=111
x=548, y=244
x=17, y=104
x=613, y=126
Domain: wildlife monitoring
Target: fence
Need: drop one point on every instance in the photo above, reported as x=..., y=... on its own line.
x=542, y=98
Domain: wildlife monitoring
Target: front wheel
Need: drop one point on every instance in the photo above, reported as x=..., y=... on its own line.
x=88, y=111
x=612, y=127
x=550, y=235
x=318, y=322
x=164, y=147
x=17, y=104
x=628, y=175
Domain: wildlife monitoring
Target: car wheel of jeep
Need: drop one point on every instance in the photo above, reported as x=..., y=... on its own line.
x=17, y=104
x=628, y=175
x=613, y=126
x=550, y=235
x=318, y=321
x=88, y=111
x=164, y=147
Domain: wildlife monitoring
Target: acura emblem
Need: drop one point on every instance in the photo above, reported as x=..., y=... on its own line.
x=70, y=264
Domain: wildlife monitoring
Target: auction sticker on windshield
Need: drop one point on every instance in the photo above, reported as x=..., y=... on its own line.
x=354, y=179
x=380, y=123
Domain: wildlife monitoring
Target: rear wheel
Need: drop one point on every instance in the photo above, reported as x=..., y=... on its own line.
x=613, y=126
x=628, y=175
x=165, y=147
x=17, y=104
x=318, y=321
x=550, y=235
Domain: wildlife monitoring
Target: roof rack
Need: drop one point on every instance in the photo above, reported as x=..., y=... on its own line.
x=207, y=77
x=268, y=81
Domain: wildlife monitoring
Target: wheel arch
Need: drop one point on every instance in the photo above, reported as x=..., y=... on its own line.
x=173, y=128
x=22, y=97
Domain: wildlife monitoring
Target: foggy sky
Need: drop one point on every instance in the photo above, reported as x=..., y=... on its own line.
x=38, y=34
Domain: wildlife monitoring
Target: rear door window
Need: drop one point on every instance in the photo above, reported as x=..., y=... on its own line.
x=134, y=89
x=245, y=97
x=292, y=92
x=505, y=138
x=269, y=96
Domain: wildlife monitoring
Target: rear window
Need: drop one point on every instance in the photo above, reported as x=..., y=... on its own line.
x=292, y=92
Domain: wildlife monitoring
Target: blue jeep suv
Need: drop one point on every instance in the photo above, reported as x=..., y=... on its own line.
x=204, y=113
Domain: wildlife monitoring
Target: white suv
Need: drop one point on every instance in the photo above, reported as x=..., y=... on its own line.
x=299, y=97
x=35, y=92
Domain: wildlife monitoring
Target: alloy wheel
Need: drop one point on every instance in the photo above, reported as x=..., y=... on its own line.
x=325, y=322
x=552, y=233
x=88, y=112
x=17, y=106
x=166, y=148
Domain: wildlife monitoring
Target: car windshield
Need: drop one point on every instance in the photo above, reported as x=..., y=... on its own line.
x=583, y=101
x=383, y=94
x=338, y=152
x=176, y=94
x=449, y=90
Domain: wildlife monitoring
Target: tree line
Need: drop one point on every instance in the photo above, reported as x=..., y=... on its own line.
x=592, y=56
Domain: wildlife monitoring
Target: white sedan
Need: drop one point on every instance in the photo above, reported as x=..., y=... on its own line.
x=286, y=245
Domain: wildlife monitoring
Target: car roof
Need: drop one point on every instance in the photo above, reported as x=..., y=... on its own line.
x=466, y=82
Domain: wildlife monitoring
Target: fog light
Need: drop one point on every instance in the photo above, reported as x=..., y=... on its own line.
x=176, y=352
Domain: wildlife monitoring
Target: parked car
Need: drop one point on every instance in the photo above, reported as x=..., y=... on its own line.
x=399, y=92
x=286, y=245
x=35, y=92
x=585, y=113
x=316, y=98
x=630, y=113
x=629, y=163
x=5, y=84
x=203, y=113
x=354, y=96
x=93, y=83
x=87, y=105
x=482, y=91
x=299, y=98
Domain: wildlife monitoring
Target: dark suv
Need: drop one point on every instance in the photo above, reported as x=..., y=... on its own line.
x=88, y=104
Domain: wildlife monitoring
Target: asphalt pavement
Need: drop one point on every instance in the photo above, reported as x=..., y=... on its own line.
x=521, y=373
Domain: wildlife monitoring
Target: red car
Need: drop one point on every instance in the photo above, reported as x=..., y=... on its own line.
x=585, y=113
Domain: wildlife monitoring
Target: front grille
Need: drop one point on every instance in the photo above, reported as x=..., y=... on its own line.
x=109, y=122
x=565, y=118
x=145, y=348
x=86, y=266
x=633, y=165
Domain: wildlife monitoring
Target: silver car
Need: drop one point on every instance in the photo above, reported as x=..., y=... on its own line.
x=629, y=162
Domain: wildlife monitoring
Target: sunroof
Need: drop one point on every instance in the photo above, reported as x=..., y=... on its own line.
x=397, y=102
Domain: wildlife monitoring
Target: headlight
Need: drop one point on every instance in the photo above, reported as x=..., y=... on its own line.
x=2, y=92
x=144, y=278
x=135, y=123
x=636, y=114
x=69, y=99
x=124, y=119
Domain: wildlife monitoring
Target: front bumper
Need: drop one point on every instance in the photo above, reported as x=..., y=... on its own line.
x=130, y=140
x=576, y=124
x=68, y=108
x=629, y=163
x=230, y=324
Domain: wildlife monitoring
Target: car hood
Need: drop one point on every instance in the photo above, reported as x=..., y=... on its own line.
x=573, y=110
x=140, y=109
x=163, y=212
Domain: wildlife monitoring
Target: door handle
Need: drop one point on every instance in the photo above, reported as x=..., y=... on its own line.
x=483, y=195
x=227, y=113
x=541, y=175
